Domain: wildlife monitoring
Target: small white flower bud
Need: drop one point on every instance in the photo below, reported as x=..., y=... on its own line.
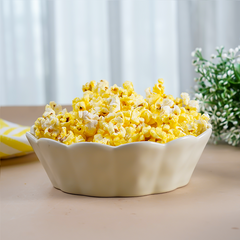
x=224, y=55
x=212, y=90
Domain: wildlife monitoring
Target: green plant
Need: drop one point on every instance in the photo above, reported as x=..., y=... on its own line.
x=218, y=92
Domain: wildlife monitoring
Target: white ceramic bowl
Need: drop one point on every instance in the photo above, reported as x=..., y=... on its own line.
x=133, y=169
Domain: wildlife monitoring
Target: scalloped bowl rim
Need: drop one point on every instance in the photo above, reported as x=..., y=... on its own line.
x=120, y=146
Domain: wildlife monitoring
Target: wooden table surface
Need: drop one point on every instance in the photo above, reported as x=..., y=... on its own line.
x=207, y=208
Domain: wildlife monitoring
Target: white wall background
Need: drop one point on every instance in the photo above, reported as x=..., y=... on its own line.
x=50, y=48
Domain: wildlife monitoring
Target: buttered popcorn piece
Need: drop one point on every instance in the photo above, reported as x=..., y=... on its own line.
x=115, y=115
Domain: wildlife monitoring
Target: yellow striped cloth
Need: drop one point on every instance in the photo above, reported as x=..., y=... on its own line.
x=13, y=141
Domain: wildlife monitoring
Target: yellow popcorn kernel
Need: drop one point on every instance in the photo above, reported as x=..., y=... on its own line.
x=114, y=103
x=38, y=122
x=165, y=119
x=103, y=141
x=153, y=133
x=194, y=114
x=57, y=108
x=148, y=92
x=178, y=102
x=160, y=133
x=109, y=117
x=147, y=115
x=202, y=126
x=67, y=120
x=192, y=105
x=78, y=128
x=80, y=106
x=39, y=133
x=152, y=139
x=92, y=84
x=111, y=128
x=68, y=138
x=183, y=110
x=185, y=98
x=48, y=133
x=100, y=87
x=75, y=101
x=167, y=102
x=79, y=138
x=152, y=99
x=170, y=97
x=121, y=132
x=134, y=138
x=141, y=137
x=157, y=105
x=176, y=110
x=89, y=139
x=183, y=118
x=205, y=117
x=122, y=92
x=86, y=87
x=135, y=116
x=86, y=99
x=170, y=137
x=63, y=133
x=127, y=121
x=89, y=86
x=127, y=103
x=166, y=127
x=106, y=94
x=101, y=131
x=127, y=113
x=176, y=132
x=140, y=102
x=158, y=87
x=129, y=87
x=119, y=118
x=173, y=121
x=139, y=127
x=97, y=137
x=103, y=112
x=118, y=141
x=129, y=132
x=48, y=111
x=146, y=131
x=115, y=89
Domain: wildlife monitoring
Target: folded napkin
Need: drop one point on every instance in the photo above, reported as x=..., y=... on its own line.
x=13, y=141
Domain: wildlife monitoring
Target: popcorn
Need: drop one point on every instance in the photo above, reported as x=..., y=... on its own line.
x=115, y=116
x=185, y=98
